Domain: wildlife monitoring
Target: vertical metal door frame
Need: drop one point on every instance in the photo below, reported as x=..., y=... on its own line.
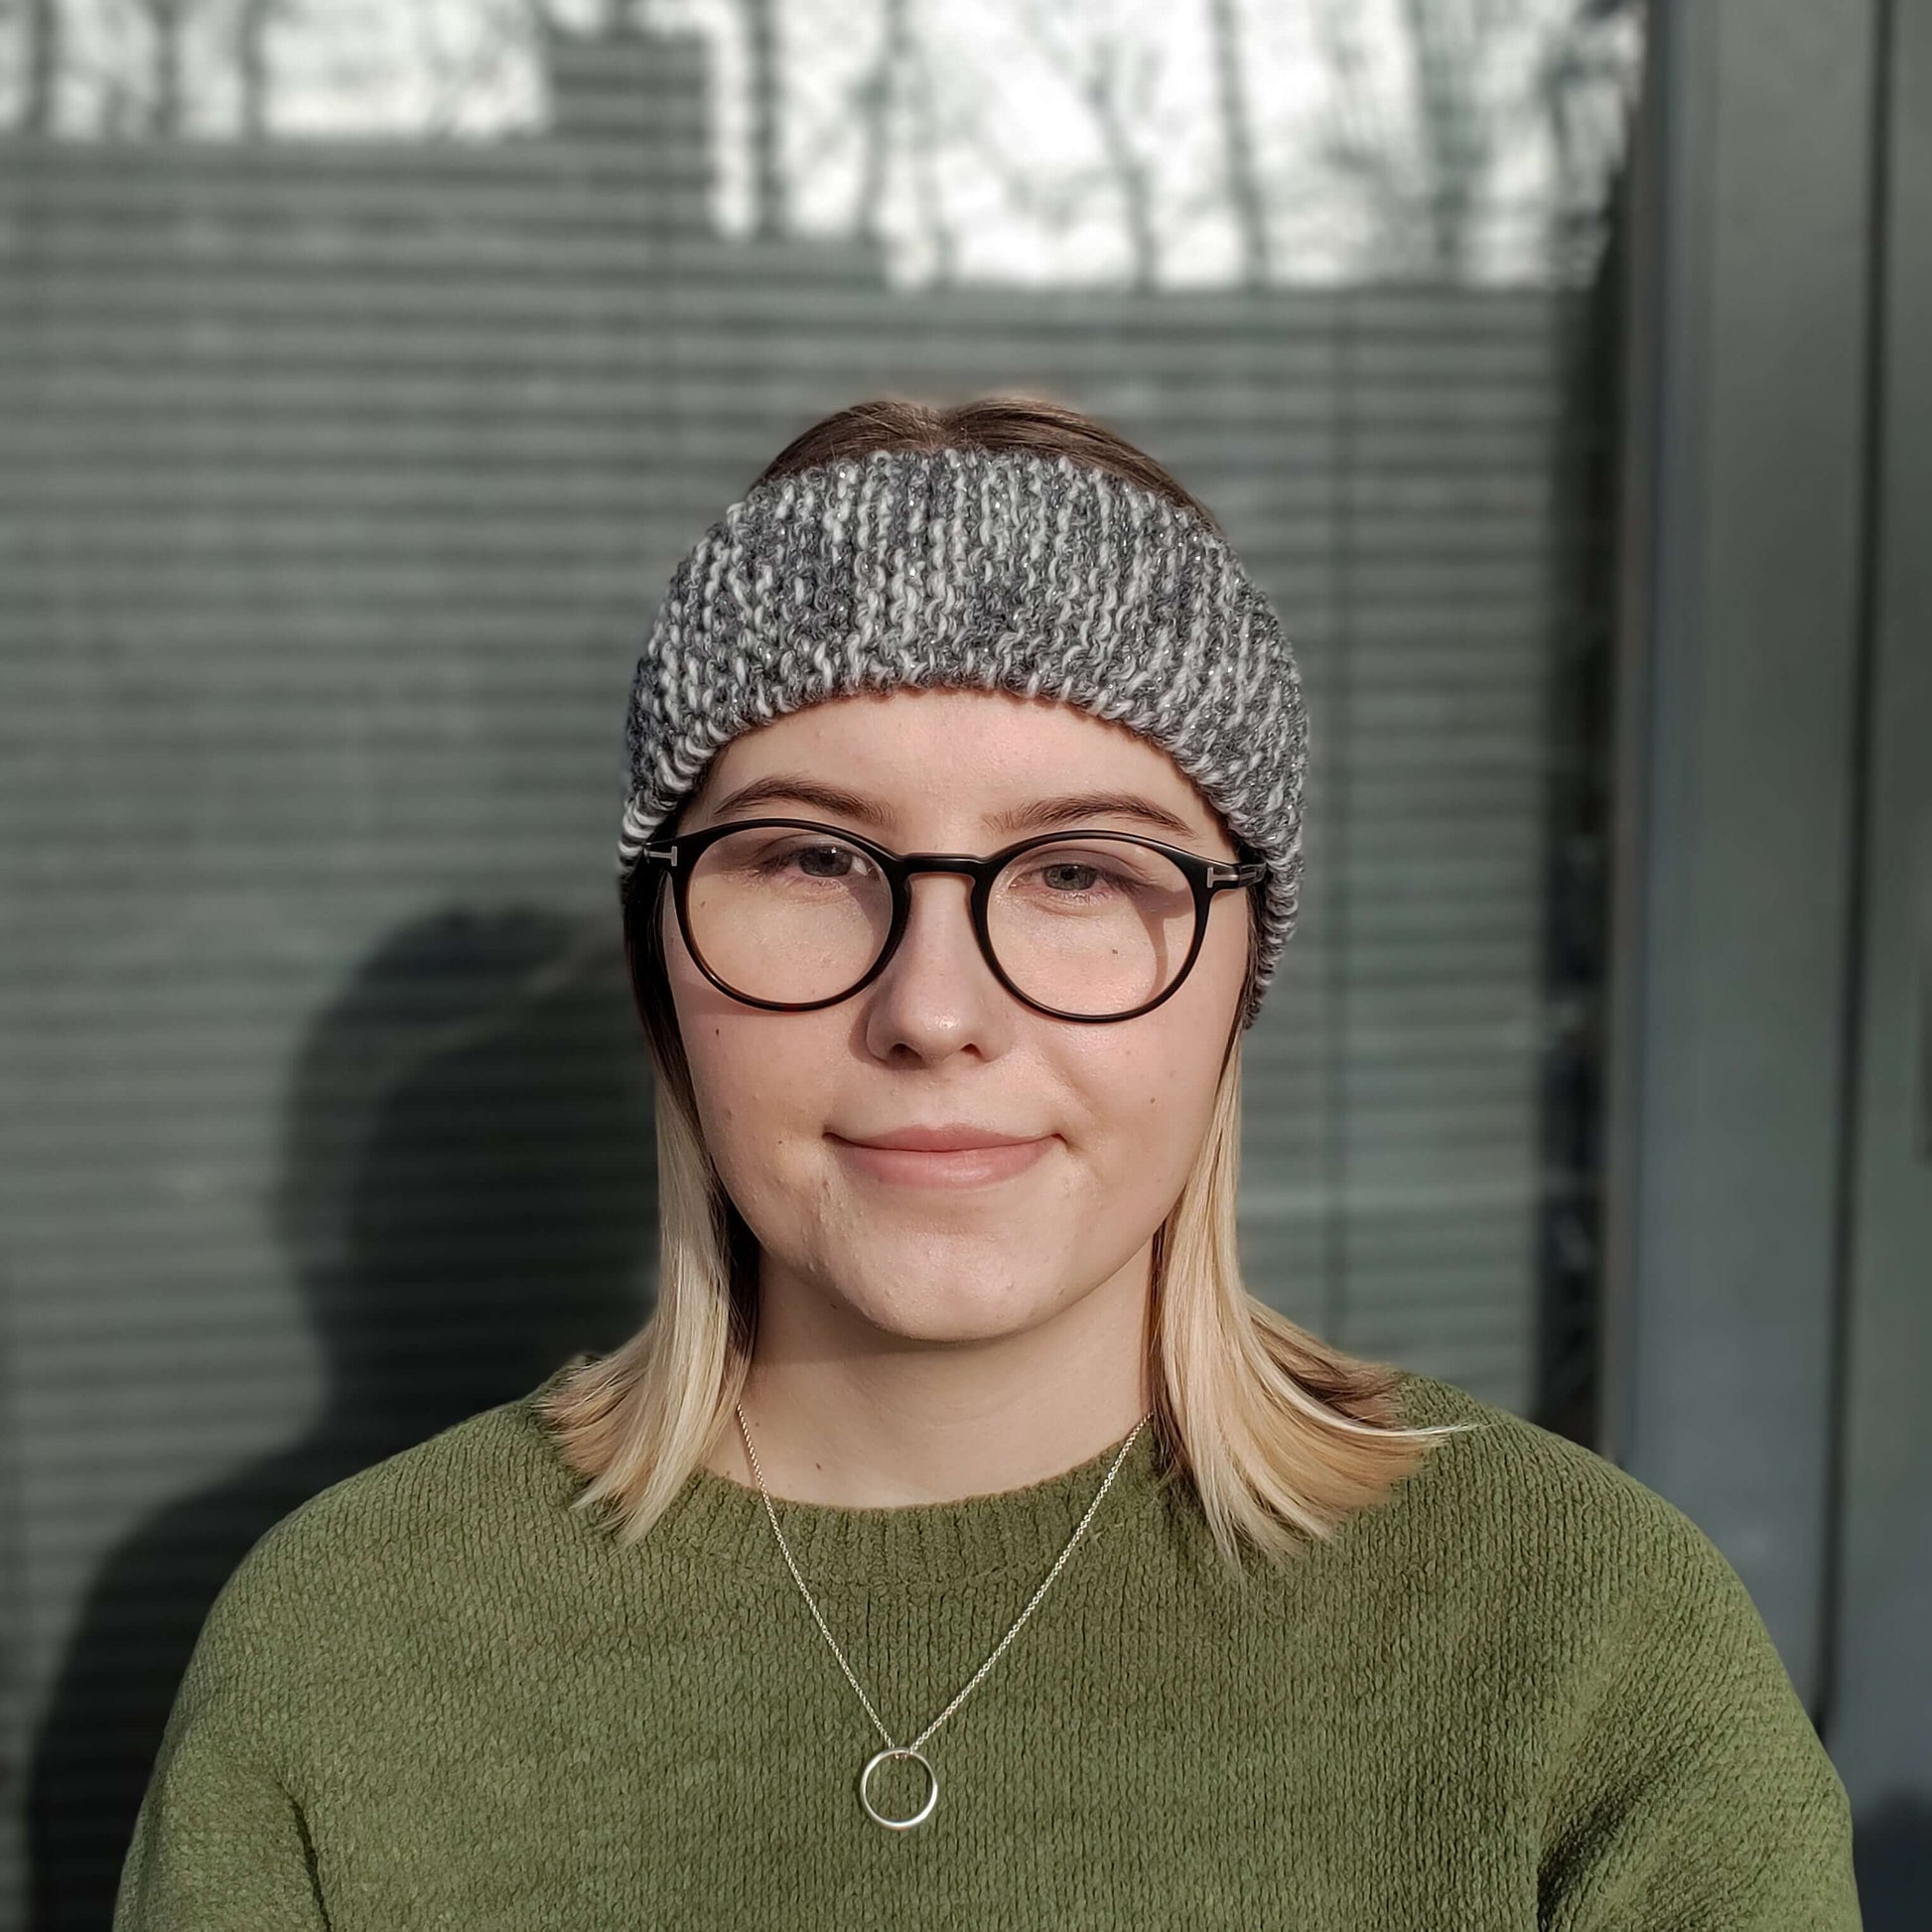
x=1741, y=611
x=1880, y=1688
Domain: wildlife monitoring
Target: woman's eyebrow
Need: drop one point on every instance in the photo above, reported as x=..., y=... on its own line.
x=1039, y=814
x=1075, y=807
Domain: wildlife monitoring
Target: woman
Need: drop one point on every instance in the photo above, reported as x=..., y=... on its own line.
x=959, y=1542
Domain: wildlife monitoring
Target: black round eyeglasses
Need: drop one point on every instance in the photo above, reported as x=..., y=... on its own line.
x=791, y=914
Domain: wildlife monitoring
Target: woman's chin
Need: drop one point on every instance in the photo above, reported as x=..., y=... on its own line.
x=917, y=1303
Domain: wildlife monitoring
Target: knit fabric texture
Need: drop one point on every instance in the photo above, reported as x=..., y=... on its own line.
x=995, y=570
x=1525, y=1692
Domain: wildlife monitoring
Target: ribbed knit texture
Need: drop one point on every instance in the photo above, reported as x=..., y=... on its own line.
x=1526, y=1692
x=987, y=568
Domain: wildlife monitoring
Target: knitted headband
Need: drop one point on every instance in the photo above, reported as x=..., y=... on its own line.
x=1002, y=570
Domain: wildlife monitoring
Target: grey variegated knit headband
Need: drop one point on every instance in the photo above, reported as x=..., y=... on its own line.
x=1002, y=570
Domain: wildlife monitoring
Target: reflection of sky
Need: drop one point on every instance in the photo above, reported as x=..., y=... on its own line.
x=1014, y=160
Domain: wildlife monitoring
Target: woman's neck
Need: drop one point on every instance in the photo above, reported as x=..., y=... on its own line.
x=907, y=1428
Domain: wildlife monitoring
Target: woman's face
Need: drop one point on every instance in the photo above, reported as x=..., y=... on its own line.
x=936, y=1040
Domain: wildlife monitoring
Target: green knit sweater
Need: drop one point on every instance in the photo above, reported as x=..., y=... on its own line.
x=1525, y=1692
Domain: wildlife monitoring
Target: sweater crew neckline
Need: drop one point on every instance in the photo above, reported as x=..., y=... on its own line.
x=1022, y=1528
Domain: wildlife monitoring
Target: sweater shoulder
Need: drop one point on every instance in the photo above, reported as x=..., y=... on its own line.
x=1574, y=1544
x=1502, y=1464
x=458, y=1513
x=1678, y=1775
x=383, y=1577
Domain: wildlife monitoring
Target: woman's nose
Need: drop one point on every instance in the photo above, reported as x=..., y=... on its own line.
x=937, y=990
x=939, y=921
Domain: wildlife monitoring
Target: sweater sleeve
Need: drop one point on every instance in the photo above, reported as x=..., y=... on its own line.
x=1694, y=1795
x=218, y=1846
x=219, y=1842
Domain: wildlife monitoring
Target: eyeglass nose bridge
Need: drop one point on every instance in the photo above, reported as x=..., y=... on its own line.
x=980, y=871
x=918, y=862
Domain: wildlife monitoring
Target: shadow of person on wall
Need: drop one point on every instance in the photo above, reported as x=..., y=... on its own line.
x=469, y=1196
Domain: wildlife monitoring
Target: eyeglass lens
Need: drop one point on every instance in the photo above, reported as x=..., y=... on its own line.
x=1090, y=926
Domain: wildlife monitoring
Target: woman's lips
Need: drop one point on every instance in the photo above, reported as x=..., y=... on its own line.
x=965, y=1166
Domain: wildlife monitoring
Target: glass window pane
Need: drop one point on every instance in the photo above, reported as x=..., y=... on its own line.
x=366, y=369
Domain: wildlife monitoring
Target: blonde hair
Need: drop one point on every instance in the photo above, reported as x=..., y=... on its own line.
x=1281, y=1437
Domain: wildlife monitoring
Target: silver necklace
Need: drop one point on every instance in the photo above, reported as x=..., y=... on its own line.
x=912, y=1750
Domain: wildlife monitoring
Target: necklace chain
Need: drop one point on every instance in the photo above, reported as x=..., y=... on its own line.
x=971, y=1683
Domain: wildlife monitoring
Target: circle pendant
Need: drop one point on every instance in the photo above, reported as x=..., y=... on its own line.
x=933, y=1788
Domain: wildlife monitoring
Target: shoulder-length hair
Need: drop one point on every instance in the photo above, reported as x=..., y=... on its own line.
x=1281, y=1437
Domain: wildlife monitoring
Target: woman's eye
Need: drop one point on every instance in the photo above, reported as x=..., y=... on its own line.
x=811, y=861
x=1071, y=877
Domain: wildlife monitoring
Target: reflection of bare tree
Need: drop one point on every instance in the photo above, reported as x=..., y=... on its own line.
x=1427, y=172
x=1114, y=75
x=1456, y=134
x=911, y=123
x=766, y=90
x=135, y=55
x=252, y=21
x=1247, y=198
x=932, y=129
x=166, y=21
x=900, y=113
x=496, y=35
x=42, y=63
x=873, y=100
x=1357, y=141
x=1582, y=87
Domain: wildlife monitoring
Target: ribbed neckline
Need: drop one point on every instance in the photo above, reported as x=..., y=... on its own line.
x=949, y=1542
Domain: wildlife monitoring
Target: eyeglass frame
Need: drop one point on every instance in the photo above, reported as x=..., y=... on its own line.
x=677, y=856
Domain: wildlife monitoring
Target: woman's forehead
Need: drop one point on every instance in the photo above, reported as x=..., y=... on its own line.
x=986, y=755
